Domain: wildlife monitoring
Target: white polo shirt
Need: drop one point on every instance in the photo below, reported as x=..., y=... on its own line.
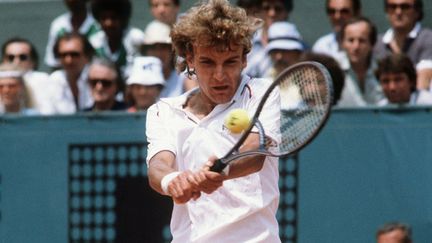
x=243, y=209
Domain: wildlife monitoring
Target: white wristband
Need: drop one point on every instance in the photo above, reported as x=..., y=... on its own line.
x=167, y=179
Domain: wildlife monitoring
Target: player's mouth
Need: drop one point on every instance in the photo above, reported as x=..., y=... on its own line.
x=221, y=88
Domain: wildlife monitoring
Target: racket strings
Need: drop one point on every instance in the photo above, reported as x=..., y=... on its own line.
x=305, y=98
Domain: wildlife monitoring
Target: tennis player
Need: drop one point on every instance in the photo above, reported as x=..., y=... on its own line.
x=187, y=133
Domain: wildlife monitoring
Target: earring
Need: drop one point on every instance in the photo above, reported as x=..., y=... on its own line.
x=190, y=71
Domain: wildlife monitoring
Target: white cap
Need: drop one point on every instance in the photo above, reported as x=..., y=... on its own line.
x=157, y=32
x=284, y=36
x=146, y=71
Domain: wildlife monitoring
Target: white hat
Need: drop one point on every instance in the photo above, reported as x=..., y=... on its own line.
x=157, y=32
x=146, y=71
x=284, y=36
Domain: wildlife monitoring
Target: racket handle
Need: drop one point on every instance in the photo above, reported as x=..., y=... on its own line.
x=218, y=166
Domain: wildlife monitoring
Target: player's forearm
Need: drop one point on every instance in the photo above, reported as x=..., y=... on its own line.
x=245, y=166
x=160, y=165
x=156, y=173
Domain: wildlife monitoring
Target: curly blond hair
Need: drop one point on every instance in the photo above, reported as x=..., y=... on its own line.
x=213, y=23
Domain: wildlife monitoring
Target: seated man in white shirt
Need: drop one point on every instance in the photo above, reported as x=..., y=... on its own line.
x=398, y=79
x=69, y=91
x=338, y=12
x=186, y=134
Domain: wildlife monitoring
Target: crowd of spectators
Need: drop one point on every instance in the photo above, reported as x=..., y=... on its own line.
x=98, y=61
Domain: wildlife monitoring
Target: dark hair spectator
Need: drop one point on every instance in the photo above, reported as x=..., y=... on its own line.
x=34, y=56
x=122, y=7
x=397, y=63
x=356, y=5
x=418, y=6
x=404, y=229
x=88, y=48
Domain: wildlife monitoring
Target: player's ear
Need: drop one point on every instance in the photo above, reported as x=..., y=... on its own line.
x=189, y=61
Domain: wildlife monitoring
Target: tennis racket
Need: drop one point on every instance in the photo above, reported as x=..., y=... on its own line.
x=306, y=94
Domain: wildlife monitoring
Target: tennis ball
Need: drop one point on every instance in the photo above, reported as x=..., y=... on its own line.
x=237, y=120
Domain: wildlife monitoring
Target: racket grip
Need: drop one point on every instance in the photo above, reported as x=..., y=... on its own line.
x=218, y=166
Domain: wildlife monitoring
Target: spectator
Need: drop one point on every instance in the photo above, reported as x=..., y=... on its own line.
x=23, y=54
x=361, y=88
x=336, y=72
x=272, y=11
x=14, y=97
x=394, y=232
x=145, y=83
x=158, y=44
x=118, y=41
x=285, y=47
x=397, y=76
x=105, y=81
x=69, y=91
x=252, y=7
x=165, y=11
x=407, y=36
x=77, y=19
x=338, y=12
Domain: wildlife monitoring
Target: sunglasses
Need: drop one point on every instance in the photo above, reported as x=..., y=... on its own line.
x=21, y=57
x=9, y=86
x=72, y=54
x=276, y=8
x=105, y=83
x=403, y=6
x=342, y=11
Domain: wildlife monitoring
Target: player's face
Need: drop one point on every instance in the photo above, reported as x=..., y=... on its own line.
x=18, y=53
x=339, y=11
x=164, y=10
x=72, y=56
x=356, y=42
x=396, y=86
x=144, y=96
x=218, y=72
x=10, y=91
x=395, y=236
x=401, y=14
x=102, y=81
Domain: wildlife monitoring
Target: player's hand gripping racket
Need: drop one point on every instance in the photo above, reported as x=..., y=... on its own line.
x=308, y=85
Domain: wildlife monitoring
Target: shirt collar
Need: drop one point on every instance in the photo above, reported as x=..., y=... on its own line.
x=389, y=34
x=179, y=101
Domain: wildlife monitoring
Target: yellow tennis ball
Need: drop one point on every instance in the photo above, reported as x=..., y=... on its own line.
x=237, y=120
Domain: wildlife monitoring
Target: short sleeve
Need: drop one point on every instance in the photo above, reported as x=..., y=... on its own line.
x=159, y=136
